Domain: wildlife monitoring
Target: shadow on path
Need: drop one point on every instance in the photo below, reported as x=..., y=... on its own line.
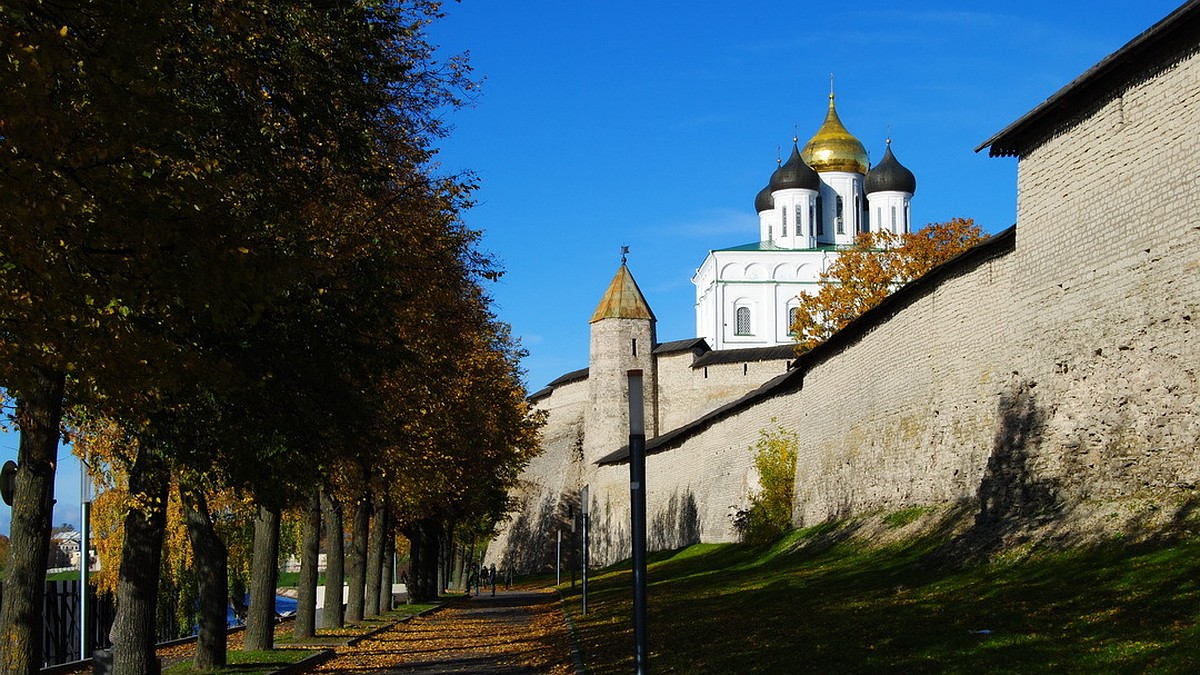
x=515, y=632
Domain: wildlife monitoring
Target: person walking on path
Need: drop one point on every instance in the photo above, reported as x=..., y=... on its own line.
x=521, y=632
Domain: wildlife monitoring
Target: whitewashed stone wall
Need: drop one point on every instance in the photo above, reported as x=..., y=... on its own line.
x=686, y=393
x=905, y=415
x=1054, y=382
x=1107, y=276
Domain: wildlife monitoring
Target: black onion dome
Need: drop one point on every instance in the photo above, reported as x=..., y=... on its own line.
x=794, y=173
x=764, y=201
x=889, y=175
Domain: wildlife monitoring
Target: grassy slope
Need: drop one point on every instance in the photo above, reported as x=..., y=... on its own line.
x=811, y=603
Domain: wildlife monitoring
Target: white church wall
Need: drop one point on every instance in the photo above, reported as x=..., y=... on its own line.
x=889, y=211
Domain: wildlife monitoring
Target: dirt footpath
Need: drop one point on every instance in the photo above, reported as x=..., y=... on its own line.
x=515, y=632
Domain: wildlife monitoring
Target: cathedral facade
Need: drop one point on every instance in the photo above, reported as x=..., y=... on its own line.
x=816, y=202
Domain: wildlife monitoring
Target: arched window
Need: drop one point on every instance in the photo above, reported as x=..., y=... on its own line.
x=893, y=218
x=796, y=215
x=783, y=232
x=792, y=313
x=839, y=217
x=742, y=326
x=820, y=210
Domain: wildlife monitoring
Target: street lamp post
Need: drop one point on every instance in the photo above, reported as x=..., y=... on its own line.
x=583, y=500
x=637, y=498
x=85, y=507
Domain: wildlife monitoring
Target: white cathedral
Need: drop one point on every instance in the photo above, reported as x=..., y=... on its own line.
x=820, y=199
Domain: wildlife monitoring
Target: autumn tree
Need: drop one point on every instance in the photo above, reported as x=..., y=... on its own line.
x=173, y=171
x=223, y=234
x=463, y=473
x=876, y=265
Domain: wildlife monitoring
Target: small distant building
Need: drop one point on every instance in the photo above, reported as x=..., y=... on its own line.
x=65, y=551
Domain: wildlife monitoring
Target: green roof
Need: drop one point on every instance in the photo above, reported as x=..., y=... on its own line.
x=772, y=246
x=623, y=299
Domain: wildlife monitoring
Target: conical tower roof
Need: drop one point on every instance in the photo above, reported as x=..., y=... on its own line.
x=623, y=300
x=833, y=148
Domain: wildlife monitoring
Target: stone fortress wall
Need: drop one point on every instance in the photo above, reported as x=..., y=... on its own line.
x=1046, y=381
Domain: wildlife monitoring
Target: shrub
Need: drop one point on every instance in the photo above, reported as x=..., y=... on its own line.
x=770, y=513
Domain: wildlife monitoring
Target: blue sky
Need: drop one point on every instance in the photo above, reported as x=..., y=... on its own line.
x=654, y=124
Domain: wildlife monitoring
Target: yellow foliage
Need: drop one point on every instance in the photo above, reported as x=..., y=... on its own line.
x=770, y=512
x=877, y=264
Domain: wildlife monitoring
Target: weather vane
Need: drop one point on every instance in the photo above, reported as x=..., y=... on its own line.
x=624, y=252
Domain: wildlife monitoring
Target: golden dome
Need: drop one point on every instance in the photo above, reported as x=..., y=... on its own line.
x=833, y=148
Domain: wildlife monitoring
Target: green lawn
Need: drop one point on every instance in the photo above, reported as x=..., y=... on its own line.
x=247, y=663
x=844, y=607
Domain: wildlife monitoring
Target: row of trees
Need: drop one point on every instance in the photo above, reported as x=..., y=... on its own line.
x=230, y=274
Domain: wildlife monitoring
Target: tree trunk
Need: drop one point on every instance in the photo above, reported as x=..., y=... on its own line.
x=389, y=563
x=445, y=558
x=134, y=629
x=39, y=410
x=333, y=615
x=357, y=560
x=470, y=566
x=211, y=560
x=432, y=535
x=409, y=531
x=264, y=577
x=310, y=551
x=424, y=538
x=374, y=561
